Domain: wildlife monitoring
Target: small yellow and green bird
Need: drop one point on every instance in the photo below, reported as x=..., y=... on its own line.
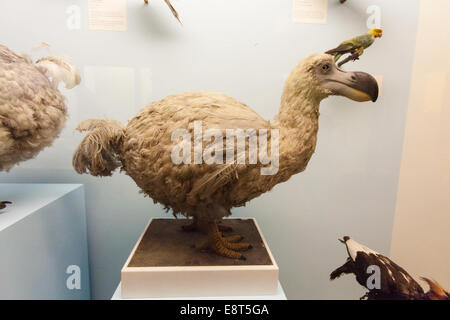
x=355, y=46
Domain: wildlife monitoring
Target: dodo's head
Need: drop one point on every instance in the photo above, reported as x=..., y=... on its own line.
x=319, y=77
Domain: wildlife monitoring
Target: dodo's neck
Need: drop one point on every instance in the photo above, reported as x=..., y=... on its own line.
x=299, y=102
x=297, y=121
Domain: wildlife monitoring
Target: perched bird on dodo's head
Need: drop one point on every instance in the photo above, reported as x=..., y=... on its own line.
x=32, y=110
x=172, y=9
x=394, y=282
x=208, y=191
x=355, y=46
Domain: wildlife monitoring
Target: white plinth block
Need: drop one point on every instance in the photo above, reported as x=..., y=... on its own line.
x=203, y=278
x=42, y=234
x=278, y=295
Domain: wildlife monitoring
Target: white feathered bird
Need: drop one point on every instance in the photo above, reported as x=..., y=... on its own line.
x=32, y=110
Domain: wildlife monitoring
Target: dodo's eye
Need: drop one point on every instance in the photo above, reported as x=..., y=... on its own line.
x=325, y=67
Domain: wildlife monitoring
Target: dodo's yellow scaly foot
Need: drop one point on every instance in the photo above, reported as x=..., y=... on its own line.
x=226, y=247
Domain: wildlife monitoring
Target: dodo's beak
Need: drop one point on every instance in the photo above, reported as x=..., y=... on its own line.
x=358, y=86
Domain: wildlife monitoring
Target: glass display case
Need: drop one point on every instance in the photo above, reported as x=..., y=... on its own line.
x=320, y=120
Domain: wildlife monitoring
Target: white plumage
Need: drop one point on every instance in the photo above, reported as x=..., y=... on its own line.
x=59, y=69
x=32, y=110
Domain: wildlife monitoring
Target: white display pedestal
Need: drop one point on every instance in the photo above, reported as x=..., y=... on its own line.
x=278, y=296
x=42, y=234
x=154, y=268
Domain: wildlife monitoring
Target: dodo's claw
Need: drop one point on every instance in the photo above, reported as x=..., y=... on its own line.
x=222, y=246
x=235, y=238
x=236, y=246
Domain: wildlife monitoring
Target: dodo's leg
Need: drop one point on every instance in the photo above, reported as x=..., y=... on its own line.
x=224, y=228
x=221, y=246
x=195, y=227
x=3, y=204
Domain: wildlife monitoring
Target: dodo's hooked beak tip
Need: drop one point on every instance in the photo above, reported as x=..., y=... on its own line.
x=367, y=84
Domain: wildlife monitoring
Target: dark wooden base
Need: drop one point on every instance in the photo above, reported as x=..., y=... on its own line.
x=165, y=244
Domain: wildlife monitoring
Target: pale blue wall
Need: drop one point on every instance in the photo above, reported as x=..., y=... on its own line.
x=245, y=49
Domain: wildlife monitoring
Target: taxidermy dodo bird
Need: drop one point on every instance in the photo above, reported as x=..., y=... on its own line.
x=208, y=191
x=394, y=282
x=32, y=110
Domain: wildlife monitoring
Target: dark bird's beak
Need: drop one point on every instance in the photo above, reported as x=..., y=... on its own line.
x=344, y=240
x=358, y=86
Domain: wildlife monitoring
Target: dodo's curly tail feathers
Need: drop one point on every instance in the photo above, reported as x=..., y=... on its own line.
x=97, y=154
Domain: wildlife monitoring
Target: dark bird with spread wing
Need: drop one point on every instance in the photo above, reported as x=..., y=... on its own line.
x=394, y=282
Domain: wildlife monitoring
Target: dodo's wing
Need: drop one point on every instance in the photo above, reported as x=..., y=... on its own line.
x=209, y=111
x=228, y=117
x=210, y=183
x=234, y=157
